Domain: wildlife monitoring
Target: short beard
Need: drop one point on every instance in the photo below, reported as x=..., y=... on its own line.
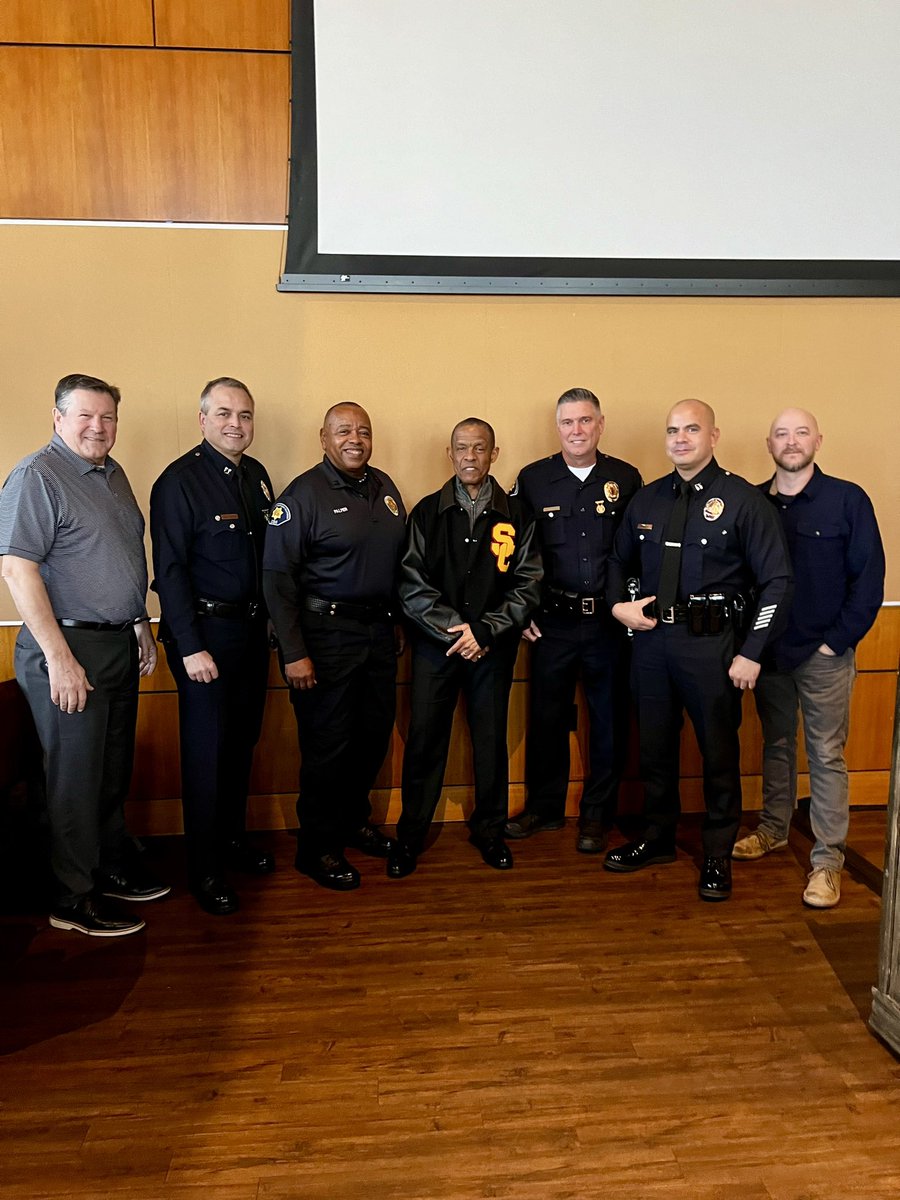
x=793, y=467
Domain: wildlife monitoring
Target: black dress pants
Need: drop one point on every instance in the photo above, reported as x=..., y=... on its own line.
x=219, y=724
x=597, y=649
x=675, y=671
x=88, y=756
x=436, y=685
x=344, y=726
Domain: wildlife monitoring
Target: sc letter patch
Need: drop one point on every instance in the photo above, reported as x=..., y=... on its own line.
x=503, y=544
x=279, y=515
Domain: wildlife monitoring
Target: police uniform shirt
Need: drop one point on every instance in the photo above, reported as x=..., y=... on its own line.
x=331, y=538
x=838, y=561
x=81, y=523
x=208, y=534
x=733, y=543
x=577, y=521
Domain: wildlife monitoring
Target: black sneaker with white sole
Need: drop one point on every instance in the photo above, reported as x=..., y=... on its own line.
x=93, y=916
x=131, y=885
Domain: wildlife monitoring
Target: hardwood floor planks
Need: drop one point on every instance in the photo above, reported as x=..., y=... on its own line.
x=554, y=1033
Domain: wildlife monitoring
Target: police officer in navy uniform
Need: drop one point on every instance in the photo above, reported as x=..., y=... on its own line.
x=578, y=498
x=469, y=582
x=332, y=552
x=715, y=583
x=207, y=520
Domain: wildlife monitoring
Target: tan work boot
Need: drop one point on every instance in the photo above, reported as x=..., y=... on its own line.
x=823, y=889
x=757, y=845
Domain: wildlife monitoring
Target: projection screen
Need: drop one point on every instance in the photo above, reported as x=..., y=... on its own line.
x=595, y=146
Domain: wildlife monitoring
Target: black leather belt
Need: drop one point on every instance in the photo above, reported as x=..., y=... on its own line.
x=574, y=604
x=676, y=615
x=100, y=626
x=341, y=608
x=219, y=608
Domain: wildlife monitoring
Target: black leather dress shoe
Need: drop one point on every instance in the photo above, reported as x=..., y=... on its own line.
x=715, y=878
x=524, y=824
x=215, y=896
x=592, y=838
x=95, y=917
x=371, y=841
x=133, y=884
x=244, y=856
x=495, y=852
x=402, y=861
x=634, y=856
x=328, y=870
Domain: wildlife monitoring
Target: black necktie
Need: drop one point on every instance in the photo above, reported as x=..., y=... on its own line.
x=670, y=572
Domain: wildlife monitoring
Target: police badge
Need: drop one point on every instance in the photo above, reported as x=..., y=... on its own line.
x=392, y=505
x=611, y=491
x=713, y=508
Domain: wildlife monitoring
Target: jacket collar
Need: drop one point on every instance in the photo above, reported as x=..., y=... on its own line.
x=499, y=500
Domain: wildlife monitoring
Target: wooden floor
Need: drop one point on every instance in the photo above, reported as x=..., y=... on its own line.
x=553, y=1032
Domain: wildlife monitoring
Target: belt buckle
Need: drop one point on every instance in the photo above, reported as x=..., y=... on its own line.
x=667, y=615
x=587, y=606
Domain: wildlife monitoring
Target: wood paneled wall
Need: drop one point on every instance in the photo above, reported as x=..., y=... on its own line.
x=206, y=24
x=155, y=805
x=145, y=110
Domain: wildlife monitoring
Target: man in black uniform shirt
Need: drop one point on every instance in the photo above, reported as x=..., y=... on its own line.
x=332, y=551
x=207, y=521
x=469, y=583
x=716, y=583
x=578, y=498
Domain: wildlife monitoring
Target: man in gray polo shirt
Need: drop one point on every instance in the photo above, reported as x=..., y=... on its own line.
x=71, y=535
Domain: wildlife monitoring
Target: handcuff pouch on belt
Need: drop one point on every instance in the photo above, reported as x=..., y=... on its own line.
x=711, y=614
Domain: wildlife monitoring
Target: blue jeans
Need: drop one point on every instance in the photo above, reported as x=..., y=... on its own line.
x=820, y=688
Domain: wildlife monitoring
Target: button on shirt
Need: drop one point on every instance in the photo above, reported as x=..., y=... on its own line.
x=838, y=562
x=208, y=533
x=81, y=523
x=731, y=544
x=334, y=538
x=576, y=521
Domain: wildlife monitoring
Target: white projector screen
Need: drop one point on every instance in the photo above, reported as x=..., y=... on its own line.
x=661, y=146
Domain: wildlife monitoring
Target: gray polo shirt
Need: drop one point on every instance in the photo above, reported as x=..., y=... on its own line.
x=83, y=525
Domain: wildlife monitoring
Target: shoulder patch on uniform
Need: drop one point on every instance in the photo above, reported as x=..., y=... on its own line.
x=279, y=515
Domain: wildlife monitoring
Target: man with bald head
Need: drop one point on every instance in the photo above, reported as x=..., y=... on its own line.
x=329, y=577
x=708, y=559
x=838, y=562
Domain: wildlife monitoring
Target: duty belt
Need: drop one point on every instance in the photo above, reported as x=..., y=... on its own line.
x=221, y=608
x=100, y=626
x=705, y=615
x=343, y=608
x=574, y=604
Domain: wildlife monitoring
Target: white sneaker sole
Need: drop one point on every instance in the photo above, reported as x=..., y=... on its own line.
x=62, y=923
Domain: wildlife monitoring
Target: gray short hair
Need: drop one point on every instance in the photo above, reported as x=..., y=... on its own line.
x=576, y=395
x=222, y=381
x=88, y=383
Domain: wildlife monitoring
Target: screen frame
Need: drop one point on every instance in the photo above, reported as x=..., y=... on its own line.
x=308, y=270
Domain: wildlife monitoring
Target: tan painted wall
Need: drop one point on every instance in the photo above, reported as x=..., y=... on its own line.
x=159, y=311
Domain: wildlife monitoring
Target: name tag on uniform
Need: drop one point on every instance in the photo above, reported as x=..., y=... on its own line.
x=642, y=525
x=551, y=508
x=227, y=517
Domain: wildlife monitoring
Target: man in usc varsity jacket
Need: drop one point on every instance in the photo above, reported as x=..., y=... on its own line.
x=469, y=582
